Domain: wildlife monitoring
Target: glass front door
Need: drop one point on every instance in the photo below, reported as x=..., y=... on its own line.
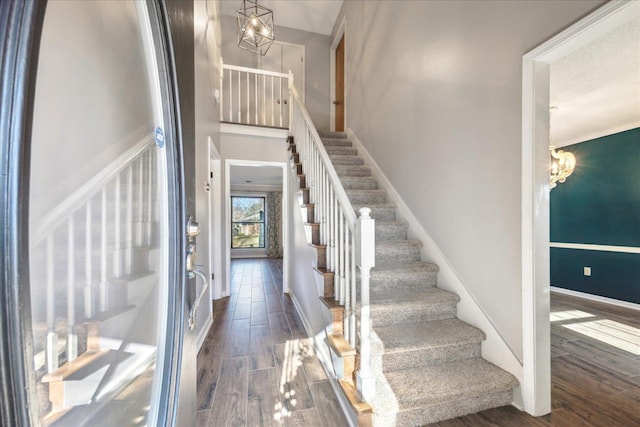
x=104, y=220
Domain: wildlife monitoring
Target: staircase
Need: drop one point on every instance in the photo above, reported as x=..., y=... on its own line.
x=427, y=363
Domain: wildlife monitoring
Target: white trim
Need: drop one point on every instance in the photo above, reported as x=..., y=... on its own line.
x=494, y=347
x=285, y=217
x=215, y=223
x=596, y=135
x=590, y=247
x=535, y=193
x=267, y=132
x=202, y=335
x=596, y=298
x=332, y=69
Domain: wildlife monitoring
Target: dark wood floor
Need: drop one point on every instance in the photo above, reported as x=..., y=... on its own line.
x=257, y=367
x=595, y=370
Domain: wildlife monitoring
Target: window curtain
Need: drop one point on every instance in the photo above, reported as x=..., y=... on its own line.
x=274, y=224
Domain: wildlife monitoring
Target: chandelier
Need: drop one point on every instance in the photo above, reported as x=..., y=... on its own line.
x=255, y=27
x=562, y=165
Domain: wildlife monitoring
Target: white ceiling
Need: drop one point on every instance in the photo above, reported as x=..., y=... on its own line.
x=257, y=175
x=595, y=90
x=316, y=16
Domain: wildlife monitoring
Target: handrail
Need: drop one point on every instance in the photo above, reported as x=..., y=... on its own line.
x=254, y=71
x=349, y=241
x=61, y=212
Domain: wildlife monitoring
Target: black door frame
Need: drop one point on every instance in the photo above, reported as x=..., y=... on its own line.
x=20, y=32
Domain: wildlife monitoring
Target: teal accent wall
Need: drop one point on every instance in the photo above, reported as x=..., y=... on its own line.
x=599, y=204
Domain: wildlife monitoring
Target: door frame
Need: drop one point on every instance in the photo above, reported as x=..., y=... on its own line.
x=342, y=30
x=536, y=381
x=285, y=218
x=215, y=222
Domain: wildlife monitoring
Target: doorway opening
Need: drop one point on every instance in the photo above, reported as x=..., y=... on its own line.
x=535, y=194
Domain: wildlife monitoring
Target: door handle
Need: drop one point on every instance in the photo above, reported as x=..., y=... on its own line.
x=193, y=229
x=336, y=103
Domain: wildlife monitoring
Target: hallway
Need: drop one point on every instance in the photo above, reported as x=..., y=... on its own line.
x=257, y=367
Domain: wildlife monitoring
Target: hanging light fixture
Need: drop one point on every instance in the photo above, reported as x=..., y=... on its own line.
x=255, y=27
x=562, y=165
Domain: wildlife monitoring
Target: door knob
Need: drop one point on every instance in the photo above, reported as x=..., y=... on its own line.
x=336, y=103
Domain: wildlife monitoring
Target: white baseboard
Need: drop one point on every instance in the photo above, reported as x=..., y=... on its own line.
x=203, y=333
x=596, y=298
x=494, y=348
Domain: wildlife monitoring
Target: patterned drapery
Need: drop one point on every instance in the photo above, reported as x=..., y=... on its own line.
x=274, y=224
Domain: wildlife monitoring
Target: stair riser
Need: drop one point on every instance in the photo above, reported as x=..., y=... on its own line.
x=418, y=416
x=429, y=356
x=389, y=315
x=363, y=197
x=302, y=182
x=345, y=151
x=303, y=196
x=390, y=231
x=352, y=170
x=397, y=253
x=336, y=142
x=346, y=160
x=359, y=183
x=405, y=280
x=308, y=212
x=380, y=213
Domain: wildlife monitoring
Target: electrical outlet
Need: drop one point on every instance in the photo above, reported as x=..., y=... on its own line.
x=587, y=271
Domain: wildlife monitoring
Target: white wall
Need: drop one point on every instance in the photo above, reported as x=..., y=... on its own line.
x=207, y=43
x=317, y=97
x=433, y=90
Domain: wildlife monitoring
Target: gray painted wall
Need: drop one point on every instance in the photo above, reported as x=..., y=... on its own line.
x=317, y=75
x=433, y=90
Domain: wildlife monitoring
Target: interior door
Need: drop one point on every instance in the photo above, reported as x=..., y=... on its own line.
x=338, y=102
x=100, y=213
x=281, y=58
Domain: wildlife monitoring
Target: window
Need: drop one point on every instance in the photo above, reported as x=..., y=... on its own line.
x=247, y=222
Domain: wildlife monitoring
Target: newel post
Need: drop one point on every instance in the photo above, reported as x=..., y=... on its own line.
x=365, y=260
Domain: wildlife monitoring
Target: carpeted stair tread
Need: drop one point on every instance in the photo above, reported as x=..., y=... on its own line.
x=399, y=298
x=338, y=159
x=398, y=250
x=359, y=182
x=431, y=334
x=391, y=230
x=361, y=197
x=398, y=267
x=344, y=151
x=352, y=170
x=332, y=134
x=336, y=142
x=379, y=211
x=432, y=385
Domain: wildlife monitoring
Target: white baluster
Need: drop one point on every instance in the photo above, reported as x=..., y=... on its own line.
x=52, y=336
x=354, y=287
x=221, y=86
x=72, y=338
x=239, y=101
x=104, y=286
x=230, y=95
x=117, y=252
x=365, y=260
x=128, y=255
x=88, y=287
x=280, y=99
x=256, y=94
x=264, y=99
x=272, y=108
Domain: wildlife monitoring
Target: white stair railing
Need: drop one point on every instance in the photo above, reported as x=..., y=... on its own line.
x=350, y=241
x=249, y=96
x=56, y=237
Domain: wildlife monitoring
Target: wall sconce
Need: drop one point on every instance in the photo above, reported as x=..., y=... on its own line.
x=562, y=165
x=255, y=27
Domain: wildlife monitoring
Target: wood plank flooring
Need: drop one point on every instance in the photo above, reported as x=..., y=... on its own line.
x=595, y=379
x=257, y=367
